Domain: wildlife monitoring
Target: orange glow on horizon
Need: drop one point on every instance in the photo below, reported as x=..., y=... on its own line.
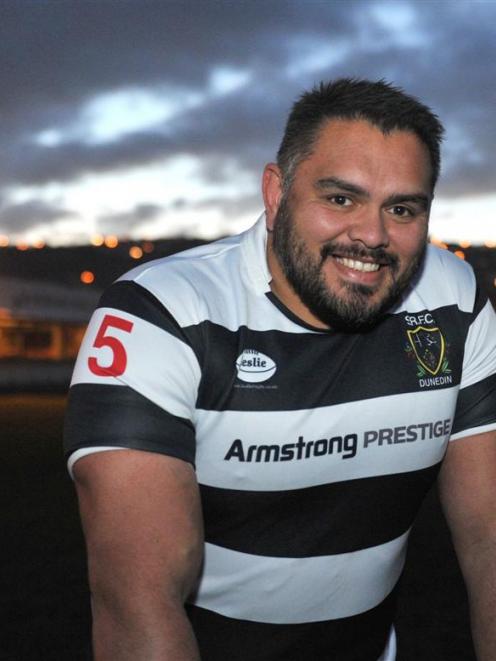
x=87, y=277
x=136, y=252
x=490, y=243
x=148, y=246
x=4, y=241
x=97, y=240
x=22, y=246
x=464, y=243
x=111, y=241
x=437, y=242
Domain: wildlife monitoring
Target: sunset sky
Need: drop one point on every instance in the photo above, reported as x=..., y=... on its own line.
x=152, y=119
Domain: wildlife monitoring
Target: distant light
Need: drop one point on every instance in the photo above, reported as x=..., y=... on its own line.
x=87, y=277
x=4, y=241
x=135, y=252
x=111, y=241
x=464, y=243
x=97, y=240
x=4, y=312
x=437, y=242
x=22, y=246
x=148, y=246
x=39, y=244
x=490, y=243
x=460, y=254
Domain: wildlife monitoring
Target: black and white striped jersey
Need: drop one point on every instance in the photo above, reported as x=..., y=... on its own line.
x=313, y=449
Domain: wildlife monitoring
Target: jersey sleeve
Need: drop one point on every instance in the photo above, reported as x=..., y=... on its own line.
x=135, y=380
x=476, y=405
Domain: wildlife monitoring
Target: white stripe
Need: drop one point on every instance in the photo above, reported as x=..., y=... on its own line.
x=84, y=452
x=479, y=359
x=473, y=431
x=297, y=590
x=214, y=283
x=389, y=653
x=159, y=366
x=457, y=288
x=205, y=284
x=216, y=432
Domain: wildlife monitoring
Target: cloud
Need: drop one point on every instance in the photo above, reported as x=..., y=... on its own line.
x=126, y=221
x=216, y=80
x=27, y=215
x=232, y=207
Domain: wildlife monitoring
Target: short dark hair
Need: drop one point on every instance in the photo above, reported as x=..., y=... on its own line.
x=380, y=103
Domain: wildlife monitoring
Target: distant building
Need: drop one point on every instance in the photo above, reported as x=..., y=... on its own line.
x=41, y=327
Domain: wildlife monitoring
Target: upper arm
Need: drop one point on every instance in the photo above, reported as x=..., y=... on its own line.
x=142, y=520
x=467, y=486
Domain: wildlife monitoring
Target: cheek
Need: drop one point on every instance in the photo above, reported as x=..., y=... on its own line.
x=407, y=244
x=319, y=225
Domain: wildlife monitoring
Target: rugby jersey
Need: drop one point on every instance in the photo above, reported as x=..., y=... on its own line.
x=313, y=449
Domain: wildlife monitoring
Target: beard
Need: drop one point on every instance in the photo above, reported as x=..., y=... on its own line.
x=353, y=309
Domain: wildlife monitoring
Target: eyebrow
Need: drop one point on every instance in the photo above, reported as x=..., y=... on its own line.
x=398, y=198
x=417, y=198
x=335, y=182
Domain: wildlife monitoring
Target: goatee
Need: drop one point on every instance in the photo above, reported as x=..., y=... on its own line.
x=352, y=310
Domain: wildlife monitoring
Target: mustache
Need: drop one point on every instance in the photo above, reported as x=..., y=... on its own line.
x=378, y=255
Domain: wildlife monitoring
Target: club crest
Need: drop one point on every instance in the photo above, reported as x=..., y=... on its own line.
x=429, y=347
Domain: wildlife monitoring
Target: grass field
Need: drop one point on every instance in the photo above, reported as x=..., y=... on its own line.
x=44, y=593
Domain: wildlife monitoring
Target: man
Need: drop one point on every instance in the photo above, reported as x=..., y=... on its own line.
x=253, y=424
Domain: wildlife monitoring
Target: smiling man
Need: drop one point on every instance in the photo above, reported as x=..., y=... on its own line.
x=351, y=230
x=253, y=424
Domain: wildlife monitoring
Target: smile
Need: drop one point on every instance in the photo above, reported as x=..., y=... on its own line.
x=356, y=265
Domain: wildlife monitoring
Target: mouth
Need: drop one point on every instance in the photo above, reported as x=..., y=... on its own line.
x=358, y=265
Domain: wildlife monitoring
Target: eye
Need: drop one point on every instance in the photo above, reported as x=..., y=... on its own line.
x=340, y=200
x=401, y=211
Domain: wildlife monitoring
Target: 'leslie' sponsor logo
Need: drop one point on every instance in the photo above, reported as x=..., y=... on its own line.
x=254, y=366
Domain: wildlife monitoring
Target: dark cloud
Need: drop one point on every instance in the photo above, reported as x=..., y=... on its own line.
x=27, y=215
x=126, y=221
x=55, y=56
x=232, y=208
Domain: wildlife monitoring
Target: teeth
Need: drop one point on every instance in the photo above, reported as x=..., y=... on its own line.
x=358, y=266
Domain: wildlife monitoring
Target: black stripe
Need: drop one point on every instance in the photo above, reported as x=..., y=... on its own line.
x=359, y=638
x=476, y=405
x=323, y=520
x=480, y=301
x=119, y=416
x=320, y=369
x=128, y=296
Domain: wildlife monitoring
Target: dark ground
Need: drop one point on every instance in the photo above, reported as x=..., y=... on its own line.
x=44, y=594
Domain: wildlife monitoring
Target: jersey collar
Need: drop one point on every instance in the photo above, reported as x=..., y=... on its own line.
x=254, y=265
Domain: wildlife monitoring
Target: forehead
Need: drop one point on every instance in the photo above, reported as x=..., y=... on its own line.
x=356, y=149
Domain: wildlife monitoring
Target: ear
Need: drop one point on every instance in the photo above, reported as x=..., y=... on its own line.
x=272, y=192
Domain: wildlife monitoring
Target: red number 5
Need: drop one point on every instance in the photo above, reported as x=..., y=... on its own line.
x=119, y=360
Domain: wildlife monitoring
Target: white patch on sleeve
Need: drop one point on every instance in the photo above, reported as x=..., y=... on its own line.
x=148, y=359
x=479, y=360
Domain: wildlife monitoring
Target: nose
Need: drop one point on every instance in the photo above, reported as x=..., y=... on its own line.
x=369, y=227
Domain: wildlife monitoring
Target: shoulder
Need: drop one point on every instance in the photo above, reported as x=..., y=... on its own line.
x=445, y=279
x=186, y=282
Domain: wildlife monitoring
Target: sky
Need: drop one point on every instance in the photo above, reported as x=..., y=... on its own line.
x=150, y=119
